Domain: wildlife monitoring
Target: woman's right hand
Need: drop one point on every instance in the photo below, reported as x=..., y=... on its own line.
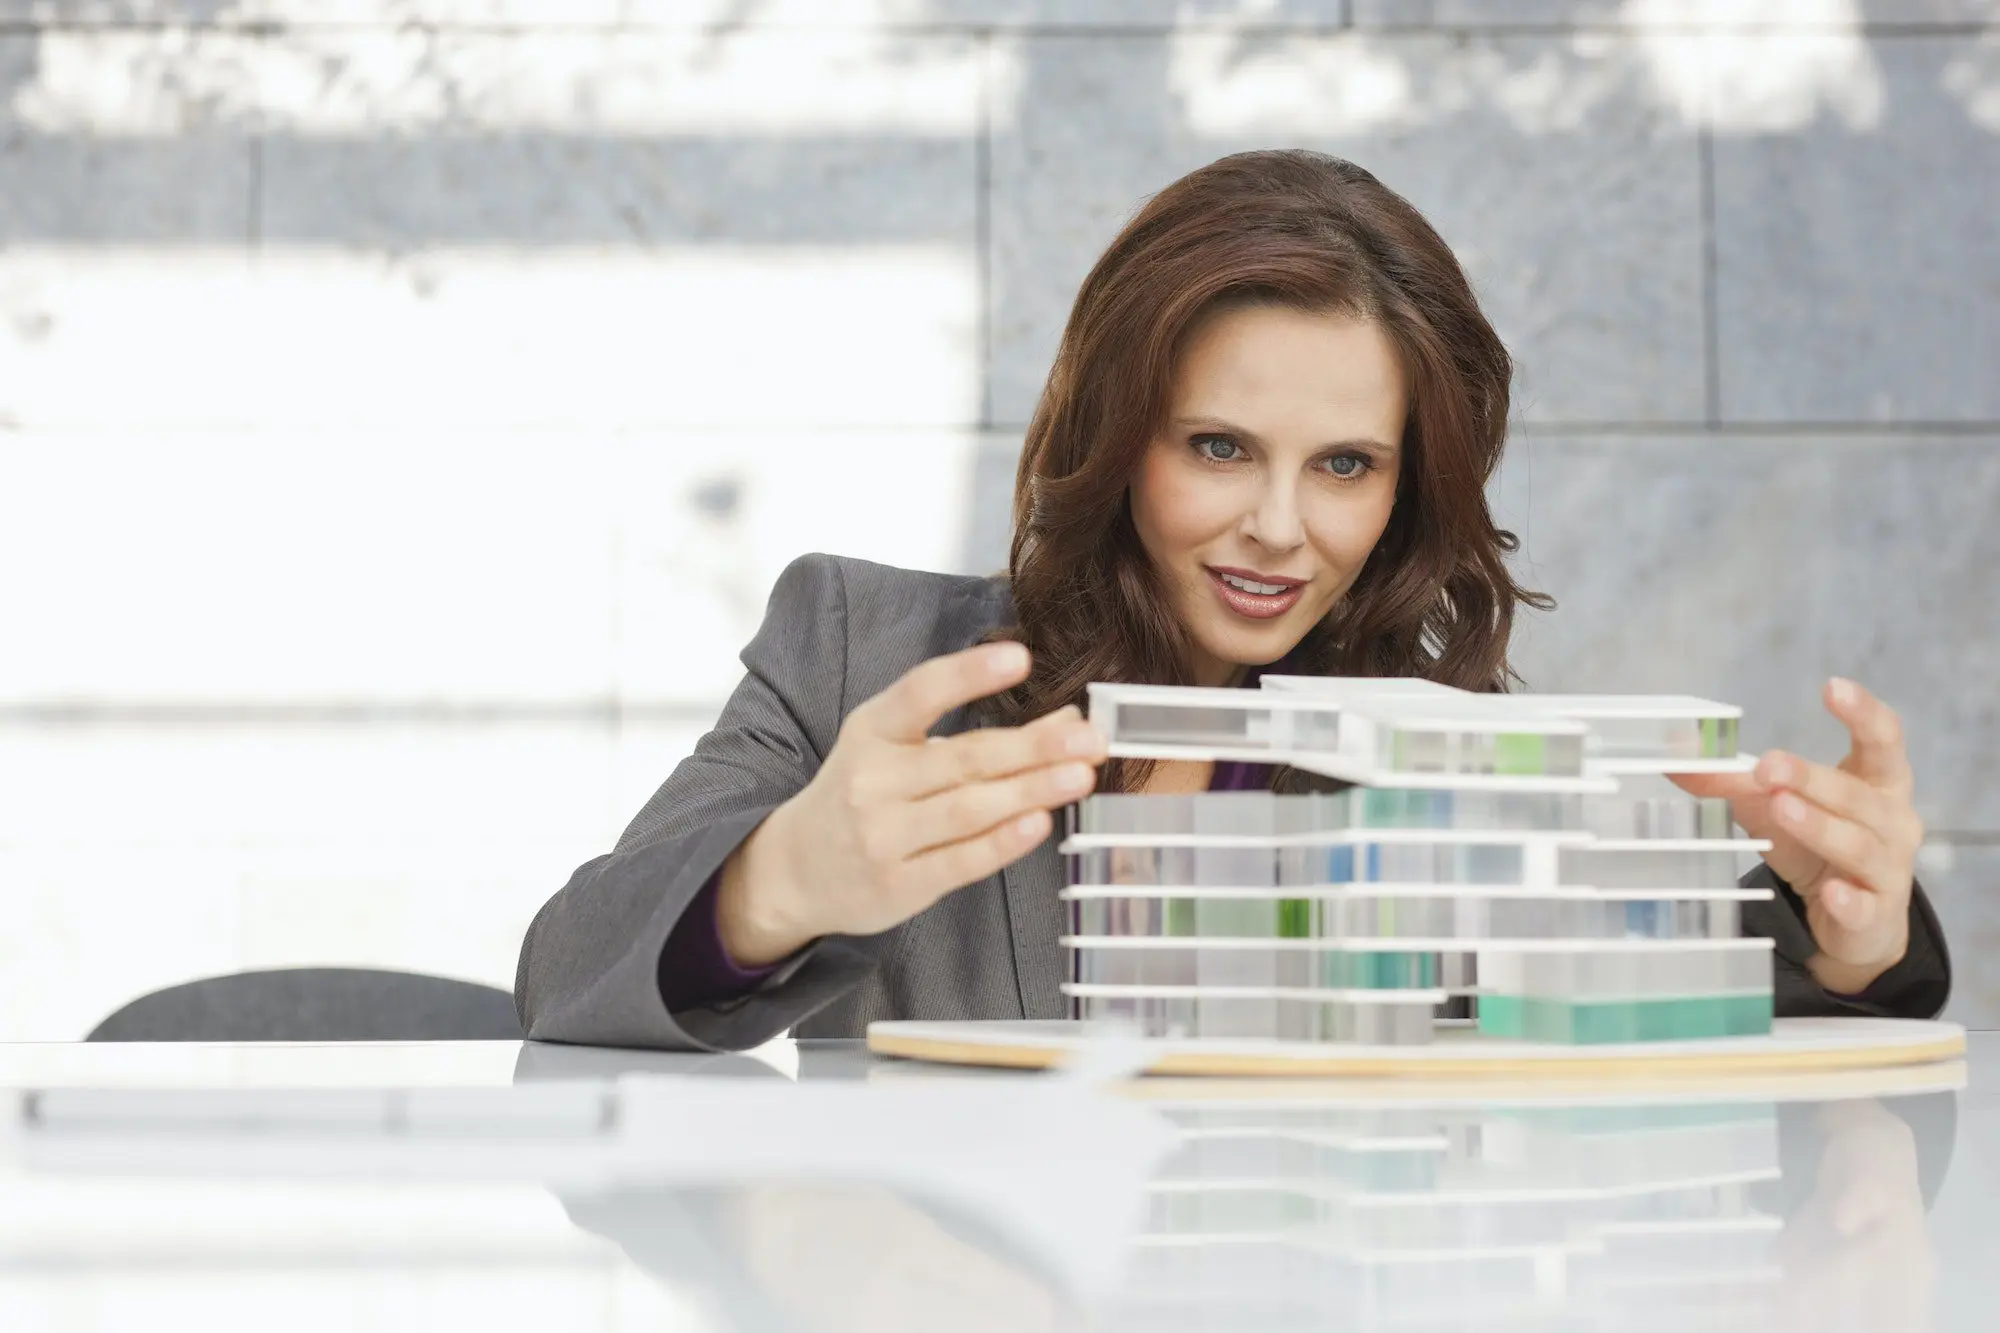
x=895, y=819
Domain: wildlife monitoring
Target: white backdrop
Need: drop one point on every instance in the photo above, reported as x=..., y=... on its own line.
x=406, y=405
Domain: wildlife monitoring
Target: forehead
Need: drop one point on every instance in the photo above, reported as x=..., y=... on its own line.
x=1272, y=360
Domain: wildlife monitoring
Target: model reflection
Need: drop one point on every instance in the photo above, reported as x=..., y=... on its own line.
x=1702, y=1213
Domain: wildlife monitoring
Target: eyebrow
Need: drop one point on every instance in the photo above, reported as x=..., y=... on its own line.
x=1221, y=426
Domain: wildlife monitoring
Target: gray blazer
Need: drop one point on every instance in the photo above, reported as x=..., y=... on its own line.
x=837, y=632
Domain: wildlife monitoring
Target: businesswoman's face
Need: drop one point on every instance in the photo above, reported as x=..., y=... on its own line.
x=1260, y=500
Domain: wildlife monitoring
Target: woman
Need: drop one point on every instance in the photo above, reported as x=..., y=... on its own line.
x=1265, y=438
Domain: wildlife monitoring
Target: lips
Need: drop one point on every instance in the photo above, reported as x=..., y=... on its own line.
x=1253, y=603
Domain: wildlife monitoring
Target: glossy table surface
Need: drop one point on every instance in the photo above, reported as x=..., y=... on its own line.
x=811, y=1186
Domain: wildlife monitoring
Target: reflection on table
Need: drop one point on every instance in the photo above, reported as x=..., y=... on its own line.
x=880, y=1197
x=1711, y=1215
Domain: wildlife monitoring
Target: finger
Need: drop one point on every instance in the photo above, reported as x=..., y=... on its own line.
x=997, y=752
x=1876, y=753
x=1853, y=909
x=1847, y=847
x=1837, y=792
x=960, y=863
x=1727, y=786
x=966, y=811
x=908, y=709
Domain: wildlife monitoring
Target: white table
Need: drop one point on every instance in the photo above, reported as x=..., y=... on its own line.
x=495, y=1186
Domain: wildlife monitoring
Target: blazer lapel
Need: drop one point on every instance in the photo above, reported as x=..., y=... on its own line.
x=1030, y=885
x=1035, y=913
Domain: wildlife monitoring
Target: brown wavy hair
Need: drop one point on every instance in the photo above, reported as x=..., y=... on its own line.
x=1309, y=232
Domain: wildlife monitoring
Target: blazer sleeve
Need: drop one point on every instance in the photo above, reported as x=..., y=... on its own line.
x=589, y=971
x=1916, y=987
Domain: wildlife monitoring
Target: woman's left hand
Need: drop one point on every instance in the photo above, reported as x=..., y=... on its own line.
x=1844, y=837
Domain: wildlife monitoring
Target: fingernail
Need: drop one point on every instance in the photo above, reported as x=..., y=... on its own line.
x=1029, y=825
x=1774, y=769
x=1842, y=690
x=1008, y=659
x=1789, y=808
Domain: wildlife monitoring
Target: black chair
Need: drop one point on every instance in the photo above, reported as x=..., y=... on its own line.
x=317, y=1004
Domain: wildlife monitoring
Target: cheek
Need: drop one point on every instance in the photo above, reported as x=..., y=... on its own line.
x=1175, y=507
x=1345, y=528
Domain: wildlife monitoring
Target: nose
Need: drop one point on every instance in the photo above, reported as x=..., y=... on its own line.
x=1273, y=521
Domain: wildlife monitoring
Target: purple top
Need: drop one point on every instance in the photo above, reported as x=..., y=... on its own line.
x=696, y=970
x=1235, y=775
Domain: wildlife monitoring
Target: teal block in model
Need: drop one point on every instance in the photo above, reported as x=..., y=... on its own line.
x=1379, y=971
x=1531, y=1018
x=1503, y=1015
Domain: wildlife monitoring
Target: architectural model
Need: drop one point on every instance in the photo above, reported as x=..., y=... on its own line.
x=1525, y=851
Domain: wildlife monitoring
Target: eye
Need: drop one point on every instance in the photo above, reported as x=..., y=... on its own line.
x=1217, y=448
x=1349, y=467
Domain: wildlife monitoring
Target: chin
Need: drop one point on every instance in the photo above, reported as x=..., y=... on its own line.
x=1254, y=647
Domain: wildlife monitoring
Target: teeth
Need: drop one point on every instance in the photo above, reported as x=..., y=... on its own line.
x=1262, y=589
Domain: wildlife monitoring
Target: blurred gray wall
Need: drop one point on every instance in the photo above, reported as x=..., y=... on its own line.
x=406, y=404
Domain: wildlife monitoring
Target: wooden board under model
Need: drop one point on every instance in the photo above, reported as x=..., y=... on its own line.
x=1795, y=1045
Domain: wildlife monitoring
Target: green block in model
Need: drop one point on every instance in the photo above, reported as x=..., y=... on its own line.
x=1599, y=1022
